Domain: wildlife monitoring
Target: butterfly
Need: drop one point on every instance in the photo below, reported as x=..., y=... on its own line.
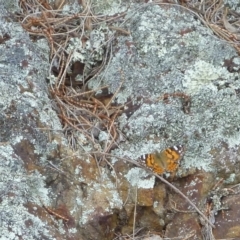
x=166, y=160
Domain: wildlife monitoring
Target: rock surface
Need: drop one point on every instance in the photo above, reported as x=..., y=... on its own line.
x=49, y=191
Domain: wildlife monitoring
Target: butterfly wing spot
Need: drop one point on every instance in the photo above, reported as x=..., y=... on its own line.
x=151, y=162
x=173, y=158
x=158, y=170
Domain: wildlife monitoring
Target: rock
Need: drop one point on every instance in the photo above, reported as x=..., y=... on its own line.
x=176, y=76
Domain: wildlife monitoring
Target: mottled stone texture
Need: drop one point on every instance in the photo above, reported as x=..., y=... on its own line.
x=27, y=124
x=169, y=51
x=46, y=190
x=171, y=55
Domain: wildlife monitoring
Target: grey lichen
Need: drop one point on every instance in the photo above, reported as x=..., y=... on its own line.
x=167, y=56
x=138, y=177
x=156, y=59
x=90, y=53
x=232, y=4
x=110, y=7
x=16, y=189
x=27, y=121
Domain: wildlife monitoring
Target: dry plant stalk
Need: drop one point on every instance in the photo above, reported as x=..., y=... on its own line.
x=79, y=111
x=214, y=15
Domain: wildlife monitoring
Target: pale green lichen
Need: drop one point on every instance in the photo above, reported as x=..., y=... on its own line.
x=231, y=179
x=110, y=7
x=91, y=53
x=138, y=177
x=204, y=74
x=73, y=8
x=232, y=4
